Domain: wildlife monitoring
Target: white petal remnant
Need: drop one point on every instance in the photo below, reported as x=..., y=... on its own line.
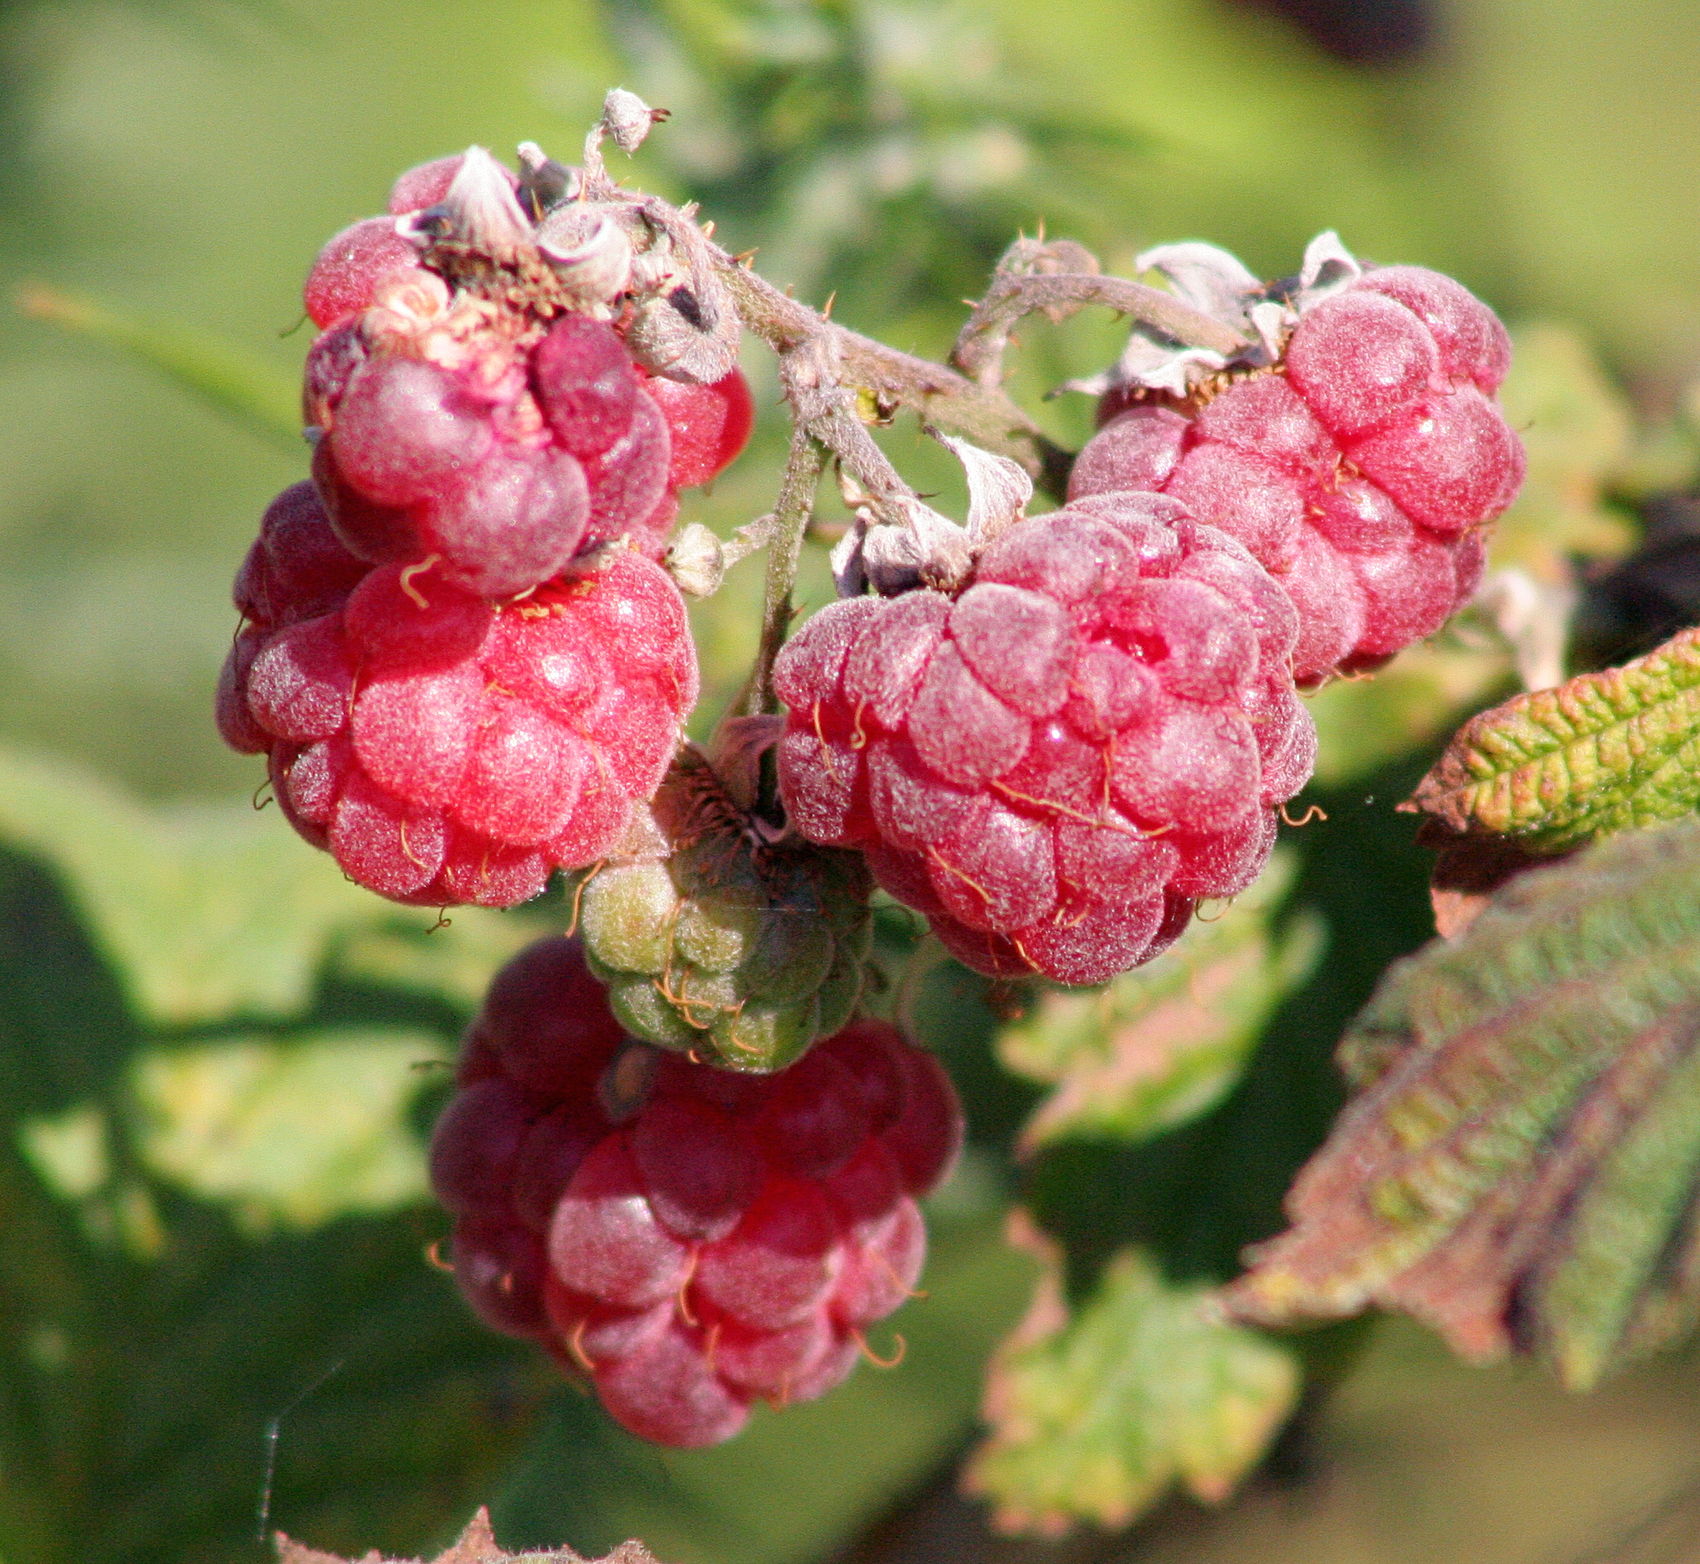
x=1218, y=285
x=998, y=489
x=1206, y=276
x=480, y=208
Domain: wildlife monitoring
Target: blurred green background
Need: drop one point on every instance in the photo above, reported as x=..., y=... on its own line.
x=187, y=1239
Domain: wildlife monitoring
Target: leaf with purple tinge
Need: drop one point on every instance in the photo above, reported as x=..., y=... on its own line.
x=1520, y=1166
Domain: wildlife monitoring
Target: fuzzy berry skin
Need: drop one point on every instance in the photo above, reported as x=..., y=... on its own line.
x=710, y=425
x=458, y=461
x=1057, y=763
x=1361, y=472
x=720, y=942
x=689, y=1240
x=349, y=271
x=444, y=748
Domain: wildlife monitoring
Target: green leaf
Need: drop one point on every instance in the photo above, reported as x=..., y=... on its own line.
x=206, y=911
x=261, y=397
x=1164, y=1043
x=288, y=1134
x=1095, y=1412
x=1520, y=1166
x=1602, y=753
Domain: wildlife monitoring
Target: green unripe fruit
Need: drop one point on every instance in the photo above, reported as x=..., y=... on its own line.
x=720, y=938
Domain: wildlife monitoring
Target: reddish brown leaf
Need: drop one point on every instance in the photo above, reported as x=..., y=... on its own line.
x=1519, y=1167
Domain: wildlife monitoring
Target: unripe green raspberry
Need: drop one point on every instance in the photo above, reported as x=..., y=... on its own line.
x=720, y=939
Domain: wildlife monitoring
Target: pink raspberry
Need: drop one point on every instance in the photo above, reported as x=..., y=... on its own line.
x=446, y=749
x=689, y=1240
x=1056, y=763
x=1360, y=472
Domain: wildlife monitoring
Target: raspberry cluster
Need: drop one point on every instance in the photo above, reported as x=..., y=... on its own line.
x=458, y=656
x=482, y=430
x=1055, y=763
x=688, y=1239
x=1360, y=467
x=721, y=937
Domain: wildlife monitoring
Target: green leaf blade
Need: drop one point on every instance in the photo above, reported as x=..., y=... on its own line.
x=262, y=398
x=1604, y=752
x=1095, y=1414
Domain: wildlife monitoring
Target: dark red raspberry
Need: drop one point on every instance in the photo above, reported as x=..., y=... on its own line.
x=446, y=749
x=1056, y=763
x=470, y=412
x=1360, y=471
x=689, y=1240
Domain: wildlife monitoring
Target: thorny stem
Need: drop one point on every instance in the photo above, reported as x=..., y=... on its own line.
x=892, y=379
x=790, y=520
x=980, y=345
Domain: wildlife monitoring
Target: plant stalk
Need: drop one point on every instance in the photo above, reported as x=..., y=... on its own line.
x=791, y=514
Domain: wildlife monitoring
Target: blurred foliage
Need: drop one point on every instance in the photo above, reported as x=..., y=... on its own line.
x=879, y=149
x=214, y=1192
x=253, y=392
x=1092, y=1417
x=1159, y=1045
x=1578, y=430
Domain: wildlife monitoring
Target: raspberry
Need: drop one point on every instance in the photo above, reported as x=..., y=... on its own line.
x=718, y=941
x=1360, y=471
x=447, y=749
x=297, y=567
x=472, y=410
x=1056, y=763
x=687, y=1239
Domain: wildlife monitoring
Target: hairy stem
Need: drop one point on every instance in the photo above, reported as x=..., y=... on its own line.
x=892, y=380
x=790, y=520
x=980, y=346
